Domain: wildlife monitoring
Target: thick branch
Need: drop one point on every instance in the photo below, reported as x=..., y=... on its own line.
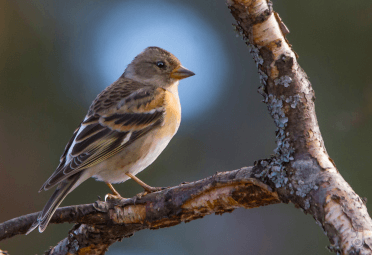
x=301, y=170
x=104, y=223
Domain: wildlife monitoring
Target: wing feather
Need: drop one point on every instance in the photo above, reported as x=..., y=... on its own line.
x=88, y=132
x=106, y=131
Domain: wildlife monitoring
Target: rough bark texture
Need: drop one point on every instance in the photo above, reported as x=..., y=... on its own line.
x=300, y=171
x=218, y=194
x=20, y=225
x=103, y=223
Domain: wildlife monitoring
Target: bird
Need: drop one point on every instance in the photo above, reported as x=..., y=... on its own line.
x=126, y=128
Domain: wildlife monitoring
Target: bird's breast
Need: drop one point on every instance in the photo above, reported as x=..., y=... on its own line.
x=172, y=118
x=137, y=156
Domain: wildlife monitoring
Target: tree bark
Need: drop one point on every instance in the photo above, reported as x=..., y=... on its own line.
x=103, y=223
x=300, y=172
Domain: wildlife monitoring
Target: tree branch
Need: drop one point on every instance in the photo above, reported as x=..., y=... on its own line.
x=104, y=223
x=301, y=170
x=20, y=225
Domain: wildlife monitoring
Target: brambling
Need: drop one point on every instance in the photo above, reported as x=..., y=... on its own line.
x=127, y=126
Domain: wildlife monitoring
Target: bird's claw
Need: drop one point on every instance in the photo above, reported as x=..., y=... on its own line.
x=140, y=195
x=113, y=197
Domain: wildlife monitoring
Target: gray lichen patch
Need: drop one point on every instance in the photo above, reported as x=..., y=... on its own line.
x=307, y=203
x=293, y=100
x=303, y=172
x=240, y=32
x=275, y=107
x=274, y=168
x=263, y=77
x=284, y=80
x=255, y=53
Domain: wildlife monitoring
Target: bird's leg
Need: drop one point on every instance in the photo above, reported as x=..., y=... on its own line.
x=113, y=190
x=148, y=188
x=114, y=195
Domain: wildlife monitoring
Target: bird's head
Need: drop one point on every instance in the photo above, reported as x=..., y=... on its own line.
x=157, y=67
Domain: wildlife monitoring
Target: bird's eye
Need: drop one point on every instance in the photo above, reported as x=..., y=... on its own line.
x=160, y=64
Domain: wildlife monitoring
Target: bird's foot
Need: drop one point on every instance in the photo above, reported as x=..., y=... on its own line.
x=113, y=197
x=140, y=195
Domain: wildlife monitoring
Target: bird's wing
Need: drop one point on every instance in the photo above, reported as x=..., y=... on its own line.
x=117, y=118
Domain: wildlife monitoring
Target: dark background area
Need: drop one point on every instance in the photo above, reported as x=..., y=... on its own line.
x=56, y=56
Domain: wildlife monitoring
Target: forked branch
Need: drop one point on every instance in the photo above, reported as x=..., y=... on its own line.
x=301, y=170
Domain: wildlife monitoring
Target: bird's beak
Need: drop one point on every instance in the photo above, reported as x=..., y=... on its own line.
x=181, y=73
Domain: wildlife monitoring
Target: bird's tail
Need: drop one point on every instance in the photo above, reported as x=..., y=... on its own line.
x=56, y=199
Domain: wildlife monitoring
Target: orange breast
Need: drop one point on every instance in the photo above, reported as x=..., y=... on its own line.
x=172, y=118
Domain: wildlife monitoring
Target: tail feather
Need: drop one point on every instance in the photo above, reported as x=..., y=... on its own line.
x=51, y=206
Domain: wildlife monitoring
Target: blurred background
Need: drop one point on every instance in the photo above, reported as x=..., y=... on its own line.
x=56, y=56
